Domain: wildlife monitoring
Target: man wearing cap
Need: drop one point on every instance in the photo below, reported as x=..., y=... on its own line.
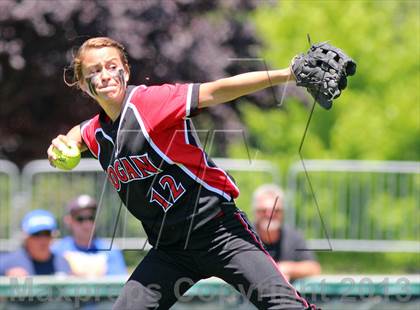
x=87, y=258
x=35, y=256
x=283, y=242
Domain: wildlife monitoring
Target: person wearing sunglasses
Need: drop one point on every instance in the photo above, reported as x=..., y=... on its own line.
x=34, y=257
x=86, y=257
x=283, y=242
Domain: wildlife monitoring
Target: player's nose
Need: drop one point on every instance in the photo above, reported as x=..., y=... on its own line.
x=105, y=75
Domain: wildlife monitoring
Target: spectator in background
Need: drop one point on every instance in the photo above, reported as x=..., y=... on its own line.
x=281, y=240
x=35, y=256
x=85, y=258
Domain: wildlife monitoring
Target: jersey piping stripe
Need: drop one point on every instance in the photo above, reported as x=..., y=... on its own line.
x=186, y=130
x=167, y=159
x=121, y=118
x=198, y=144
x=252, y=234
x=105, y=136
x=192, y=135
x=87, y=142
x=221, y=170
x=189, y=95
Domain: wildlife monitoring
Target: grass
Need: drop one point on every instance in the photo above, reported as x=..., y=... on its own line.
x=369, y=263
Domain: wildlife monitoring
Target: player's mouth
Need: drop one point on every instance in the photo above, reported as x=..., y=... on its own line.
x=107, y=89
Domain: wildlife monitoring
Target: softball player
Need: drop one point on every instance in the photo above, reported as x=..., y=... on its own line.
x=145, y=142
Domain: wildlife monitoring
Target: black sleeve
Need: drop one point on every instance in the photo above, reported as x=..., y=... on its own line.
x=194, y=109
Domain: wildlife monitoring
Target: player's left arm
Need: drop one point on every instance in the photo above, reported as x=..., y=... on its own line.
x=227, y=89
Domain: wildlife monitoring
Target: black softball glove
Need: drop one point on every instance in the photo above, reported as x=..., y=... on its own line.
x=323, y=71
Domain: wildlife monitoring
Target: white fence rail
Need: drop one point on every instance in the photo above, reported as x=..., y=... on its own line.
x=356, y=205
x=366, y=206
x=49, y=188
x=9, y=185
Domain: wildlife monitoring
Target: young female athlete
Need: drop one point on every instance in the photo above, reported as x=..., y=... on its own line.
x=144, y=140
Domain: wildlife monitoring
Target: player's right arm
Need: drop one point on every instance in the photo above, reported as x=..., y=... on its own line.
x=61, y=141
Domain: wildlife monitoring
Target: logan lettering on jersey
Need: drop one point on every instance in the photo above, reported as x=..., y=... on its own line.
x=144, y=166
x=125, y=170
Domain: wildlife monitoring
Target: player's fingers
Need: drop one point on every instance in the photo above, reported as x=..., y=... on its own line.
x=60, y=142
x=63, y=138
x=50, y=152
x=51, y=155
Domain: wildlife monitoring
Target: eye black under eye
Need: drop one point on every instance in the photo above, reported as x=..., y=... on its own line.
x=93, y=72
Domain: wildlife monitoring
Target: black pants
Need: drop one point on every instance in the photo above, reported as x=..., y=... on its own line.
x=227, y=248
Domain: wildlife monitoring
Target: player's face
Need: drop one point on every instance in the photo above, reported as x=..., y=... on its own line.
x=104, y=75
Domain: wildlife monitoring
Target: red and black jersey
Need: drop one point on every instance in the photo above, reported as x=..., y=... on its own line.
x=154, y=160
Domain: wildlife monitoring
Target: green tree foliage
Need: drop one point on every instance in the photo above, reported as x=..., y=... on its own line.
x=378, y=115
x=167, y=41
